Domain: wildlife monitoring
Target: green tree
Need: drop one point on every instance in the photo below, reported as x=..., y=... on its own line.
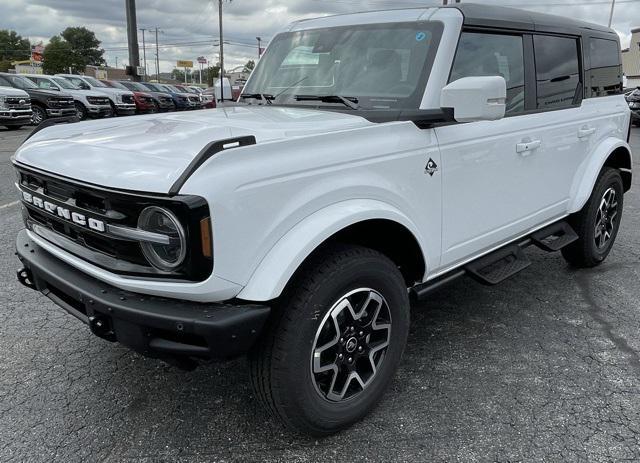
x=248, y=68
x=75, y=48
x=13, y=47
x=58, y=57
x=85, y=47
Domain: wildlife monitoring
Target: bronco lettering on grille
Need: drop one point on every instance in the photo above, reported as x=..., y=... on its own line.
x=64, y=212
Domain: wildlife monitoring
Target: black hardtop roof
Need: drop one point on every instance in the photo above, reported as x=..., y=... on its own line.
x=512, y=18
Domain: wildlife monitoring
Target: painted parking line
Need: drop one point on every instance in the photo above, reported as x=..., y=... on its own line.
x=4, y=206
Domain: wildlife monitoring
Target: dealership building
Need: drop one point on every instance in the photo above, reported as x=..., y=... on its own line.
x=631, y=60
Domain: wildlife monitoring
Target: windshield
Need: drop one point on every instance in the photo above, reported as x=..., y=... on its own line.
x=116, y=84
x=152, y=87
x=64, y=83
x=383, y=66
x=94, y=82
x=20, y=82
x=135, y=86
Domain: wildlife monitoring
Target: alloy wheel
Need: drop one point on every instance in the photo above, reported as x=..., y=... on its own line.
x=37, y=116
x=350, y=345
x=606, y=218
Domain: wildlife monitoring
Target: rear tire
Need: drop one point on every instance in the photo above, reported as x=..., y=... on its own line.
x=292, y=366
x=598, y=222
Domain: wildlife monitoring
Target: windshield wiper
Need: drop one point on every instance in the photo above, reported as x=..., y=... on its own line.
x=350, y=101
x=259, y=96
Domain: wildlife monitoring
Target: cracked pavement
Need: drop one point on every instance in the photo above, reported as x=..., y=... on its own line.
x=544, y=367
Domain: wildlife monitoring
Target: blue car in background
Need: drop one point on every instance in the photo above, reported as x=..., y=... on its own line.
x=180, y=100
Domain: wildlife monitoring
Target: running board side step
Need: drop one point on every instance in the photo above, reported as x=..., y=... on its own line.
x=554, y=237
x=504, y=262
x=499, y=265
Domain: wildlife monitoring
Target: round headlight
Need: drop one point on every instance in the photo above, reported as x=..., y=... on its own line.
x=167, y=256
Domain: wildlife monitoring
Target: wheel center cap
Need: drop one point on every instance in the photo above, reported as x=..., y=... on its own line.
x=351, y=344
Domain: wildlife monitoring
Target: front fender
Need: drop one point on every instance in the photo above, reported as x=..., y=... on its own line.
x=587, y=175
x=280, y=263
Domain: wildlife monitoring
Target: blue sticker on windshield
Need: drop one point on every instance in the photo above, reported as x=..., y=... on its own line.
x=420, y=36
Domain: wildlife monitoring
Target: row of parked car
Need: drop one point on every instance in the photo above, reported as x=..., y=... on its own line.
x=32, y=98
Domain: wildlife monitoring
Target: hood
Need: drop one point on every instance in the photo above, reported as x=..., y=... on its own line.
x=85, y=93
x=10, y=91
x=47, y=93
x=112, y=91
x=149, y=153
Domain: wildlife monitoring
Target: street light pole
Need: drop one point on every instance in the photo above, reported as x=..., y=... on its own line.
x=221, y=53
x=157, y=58
x=613, y=5
x=132, y=38
x=144, y=54
x=259, y=47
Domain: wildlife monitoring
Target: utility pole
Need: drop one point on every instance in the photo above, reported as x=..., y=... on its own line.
x=221, y=53
x=259, y=46
x=132, y=38
x=157, y=58
x=144, y=54
x=613, y=5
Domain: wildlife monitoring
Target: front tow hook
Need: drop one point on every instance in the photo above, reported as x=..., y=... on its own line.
x=101, y=327
x=26, y=278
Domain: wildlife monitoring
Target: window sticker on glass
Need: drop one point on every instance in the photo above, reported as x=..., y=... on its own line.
x=420, y=36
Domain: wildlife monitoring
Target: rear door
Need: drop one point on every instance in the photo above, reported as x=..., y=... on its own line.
x=504, y=178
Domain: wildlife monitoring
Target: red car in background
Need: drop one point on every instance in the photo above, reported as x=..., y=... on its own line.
x=145, y=104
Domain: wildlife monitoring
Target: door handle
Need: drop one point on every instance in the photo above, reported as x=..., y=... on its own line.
x=527, y=146
x=585, y=132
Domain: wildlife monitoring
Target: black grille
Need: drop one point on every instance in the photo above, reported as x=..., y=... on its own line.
x=61, y=103
x=127, y=99
x=14, y=103
x=115, y=208
x=98, y=101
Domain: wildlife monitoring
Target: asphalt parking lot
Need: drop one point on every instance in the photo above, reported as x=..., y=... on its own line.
x=543, y=367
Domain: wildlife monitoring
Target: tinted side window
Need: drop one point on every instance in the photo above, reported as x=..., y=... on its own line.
x=482, y=54
x=606, y=72
x=557, y=71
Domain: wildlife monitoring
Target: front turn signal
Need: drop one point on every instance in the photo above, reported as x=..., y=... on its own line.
x=205, y=237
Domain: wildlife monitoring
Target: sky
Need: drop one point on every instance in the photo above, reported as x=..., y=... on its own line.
x=189, y=28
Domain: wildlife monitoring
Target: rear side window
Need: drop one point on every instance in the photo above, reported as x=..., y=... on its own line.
x=606, y=71
x=481, y=54
x=557, y=71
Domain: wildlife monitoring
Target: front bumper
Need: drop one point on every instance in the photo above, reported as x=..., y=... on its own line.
x=99, y=111
x=15, y=117
x=152, y=326
x=61, y=112
x=125, y=109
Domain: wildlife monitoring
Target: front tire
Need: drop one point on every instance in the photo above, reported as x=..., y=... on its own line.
x=598, y=222
x=38, y=115
x=81, y=112
x=334, y=341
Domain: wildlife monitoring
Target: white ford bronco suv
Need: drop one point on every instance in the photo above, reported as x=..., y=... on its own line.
x=373, y=158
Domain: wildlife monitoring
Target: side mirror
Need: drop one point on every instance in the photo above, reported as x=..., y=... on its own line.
x=476, y=98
